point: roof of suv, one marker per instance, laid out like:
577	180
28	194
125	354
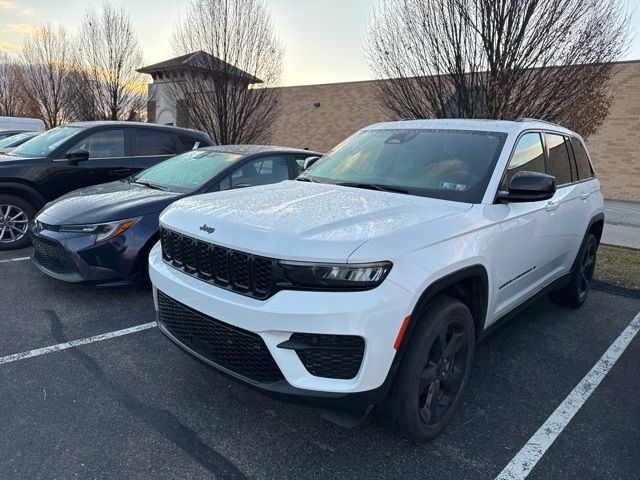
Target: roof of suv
97	123
506	126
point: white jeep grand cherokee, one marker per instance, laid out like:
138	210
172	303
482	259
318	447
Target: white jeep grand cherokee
369	280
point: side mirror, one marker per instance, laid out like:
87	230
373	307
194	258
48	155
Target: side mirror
77	156
529	187
309	161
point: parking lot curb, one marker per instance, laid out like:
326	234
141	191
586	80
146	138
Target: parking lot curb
616	289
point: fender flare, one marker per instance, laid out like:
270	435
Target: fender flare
33	195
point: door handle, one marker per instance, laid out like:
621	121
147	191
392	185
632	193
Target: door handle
551	206
584	195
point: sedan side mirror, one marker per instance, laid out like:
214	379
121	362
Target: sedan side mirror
77	156
529	187
309	161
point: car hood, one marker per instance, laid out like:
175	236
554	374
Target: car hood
302	221
105	203
15	159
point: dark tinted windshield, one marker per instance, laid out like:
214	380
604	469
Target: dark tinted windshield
44	144
188	171
448	164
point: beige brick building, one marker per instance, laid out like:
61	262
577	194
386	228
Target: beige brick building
320	116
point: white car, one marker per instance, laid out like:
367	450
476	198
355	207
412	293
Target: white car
369	279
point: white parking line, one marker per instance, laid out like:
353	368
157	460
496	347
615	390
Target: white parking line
527	458
75	343
19	259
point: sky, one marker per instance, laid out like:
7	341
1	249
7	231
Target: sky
323	38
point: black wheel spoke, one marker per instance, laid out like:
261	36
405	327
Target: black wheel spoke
429	375
457	341
451	382
433	401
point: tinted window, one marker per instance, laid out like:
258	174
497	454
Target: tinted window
559	163
190	143
582	160
448	164
103	144
528	156
188	171
155	143
261	171
46	143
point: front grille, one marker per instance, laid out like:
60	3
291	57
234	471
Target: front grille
330	356
240	272
237	350
51	256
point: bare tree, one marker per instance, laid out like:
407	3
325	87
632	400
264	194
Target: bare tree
226	87
45	70
107	55
504	59
12	94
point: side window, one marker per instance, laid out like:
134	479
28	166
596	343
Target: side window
189	143
582	160
103	144
154	143
261	171
528	156
559	162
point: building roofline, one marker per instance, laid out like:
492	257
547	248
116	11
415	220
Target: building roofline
349	82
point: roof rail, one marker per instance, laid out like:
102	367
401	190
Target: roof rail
525	119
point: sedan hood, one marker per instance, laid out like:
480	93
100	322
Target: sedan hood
302	221
105	203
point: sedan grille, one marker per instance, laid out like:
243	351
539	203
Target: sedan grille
240	272
50	255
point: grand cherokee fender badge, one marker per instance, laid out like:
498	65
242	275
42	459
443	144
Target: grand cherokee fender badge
208	229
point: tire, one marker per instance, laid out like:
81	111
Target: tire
15	216
575	293
429	384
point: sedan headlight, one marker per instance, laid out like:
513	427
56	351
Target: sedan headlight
325	276
103	231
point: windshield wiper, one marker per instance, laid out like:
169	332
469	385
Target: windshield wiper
151	185
306	179
373	186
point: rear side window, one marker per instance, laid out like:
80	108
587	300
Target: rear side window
102	144
559	161
528	156
582	160
190	143
155	143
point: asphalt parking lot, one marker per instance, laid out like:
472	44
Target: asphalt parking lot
134	406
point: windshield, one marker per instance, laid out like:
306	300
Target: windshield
13	139
448	164
186	172
44	144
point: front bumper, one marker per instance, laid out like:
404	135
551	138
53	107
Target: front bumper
76	258
374	315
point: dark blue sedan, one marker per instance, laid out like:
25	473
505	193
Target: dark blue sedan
102	235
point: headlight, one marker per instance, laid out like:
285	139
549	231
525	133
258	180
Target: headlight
103	231
325	276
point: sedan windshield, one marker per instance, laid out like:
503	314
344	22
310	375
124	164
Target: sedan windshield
186	172
43	145
447	164
17	138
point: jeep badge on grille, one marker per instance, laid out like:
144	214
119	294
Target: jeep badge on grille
208	229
